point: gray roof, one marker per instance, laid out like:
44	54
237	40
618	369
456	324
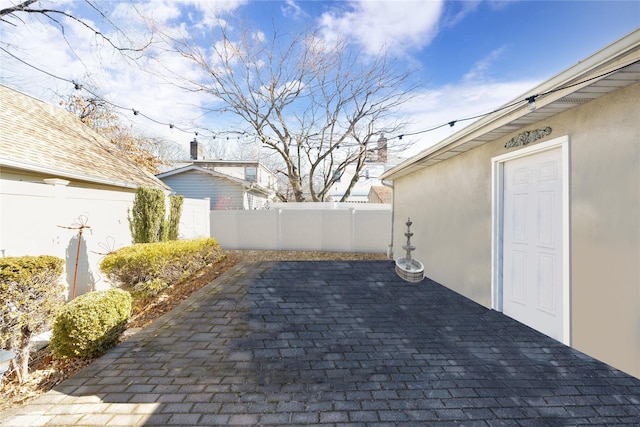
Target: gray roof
39	137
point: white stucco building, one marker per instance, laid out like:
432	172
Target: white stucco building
536	212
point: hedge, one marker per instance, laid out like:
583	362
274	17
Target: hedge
153	266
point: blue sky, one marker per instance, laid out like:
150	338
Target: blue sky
472	56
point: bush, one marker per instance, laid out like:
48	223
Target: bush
166	262
175	212
91	324
146	222
30	295
150	289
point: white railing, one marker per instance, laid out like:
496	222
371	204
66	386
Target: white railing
335	227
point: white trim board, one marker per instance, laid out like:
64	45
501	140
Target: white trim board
497	180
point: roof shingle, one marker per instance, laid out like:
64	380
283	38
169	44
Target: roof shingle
380	194
41	137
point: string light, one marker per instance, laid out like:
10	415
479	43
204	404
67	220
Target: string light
530	101
527	100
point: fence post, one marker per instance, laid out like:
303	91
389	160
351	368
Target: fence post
279	229
353	230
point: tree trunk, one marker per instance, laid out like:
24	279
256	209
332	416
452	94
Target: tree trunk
20	364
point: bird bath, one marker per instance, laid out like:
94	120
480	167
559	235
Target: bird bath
407	268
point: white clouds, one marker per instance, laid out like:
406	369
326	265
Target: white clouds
458	101
398	26
206	13
402	27
258	37
465	8
292	10
481	70
143	83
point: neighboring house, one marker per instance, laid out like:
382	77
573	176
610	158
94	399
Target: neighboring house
58	179
380	194
228	184
223	191
536	213
378	161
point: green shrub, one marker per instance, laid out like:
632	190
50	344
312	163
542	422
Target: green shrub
91	324
146	221
30	295
168	262
150	289
175	212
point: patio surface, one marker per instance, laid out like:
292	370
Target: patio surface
340	343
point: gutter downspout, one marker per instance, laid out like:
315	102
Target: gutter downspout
393	204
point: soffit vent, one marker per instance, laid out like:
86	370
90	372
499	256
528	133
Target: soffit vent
573	101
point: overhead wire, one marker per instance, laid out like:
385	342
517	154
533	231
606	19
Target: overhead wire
529	100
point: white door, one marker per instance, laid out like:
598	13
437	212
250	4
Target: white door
532	288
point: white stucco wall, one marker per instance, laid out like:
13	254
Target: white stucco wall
33	214
450	205
605	230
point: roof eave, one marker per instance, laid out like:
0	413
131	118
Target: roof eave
195	168
611	57
66	174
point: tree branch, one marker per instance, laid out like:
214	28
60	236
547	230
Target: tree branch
24	8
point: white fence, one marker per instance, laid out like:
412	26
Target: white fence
43	219
335	227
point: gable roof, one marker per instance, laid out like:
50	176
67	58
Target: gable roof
196	168
40	137
612	68
382	193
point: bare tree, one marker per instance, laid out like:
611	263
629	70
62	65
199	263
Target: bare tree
99	115
320	108
11	15
168	151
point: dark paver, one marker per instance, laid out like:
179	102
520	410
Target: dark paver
337	343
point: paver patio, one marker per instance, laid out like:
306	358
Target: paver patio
341	344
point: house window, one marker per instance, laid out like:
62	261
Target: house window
251	174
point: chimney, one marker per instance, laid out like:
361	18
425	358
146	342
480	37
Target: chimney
382	149
196	150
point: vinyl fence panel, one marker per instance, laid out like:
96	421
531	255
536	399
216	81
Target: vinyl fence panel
305	226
